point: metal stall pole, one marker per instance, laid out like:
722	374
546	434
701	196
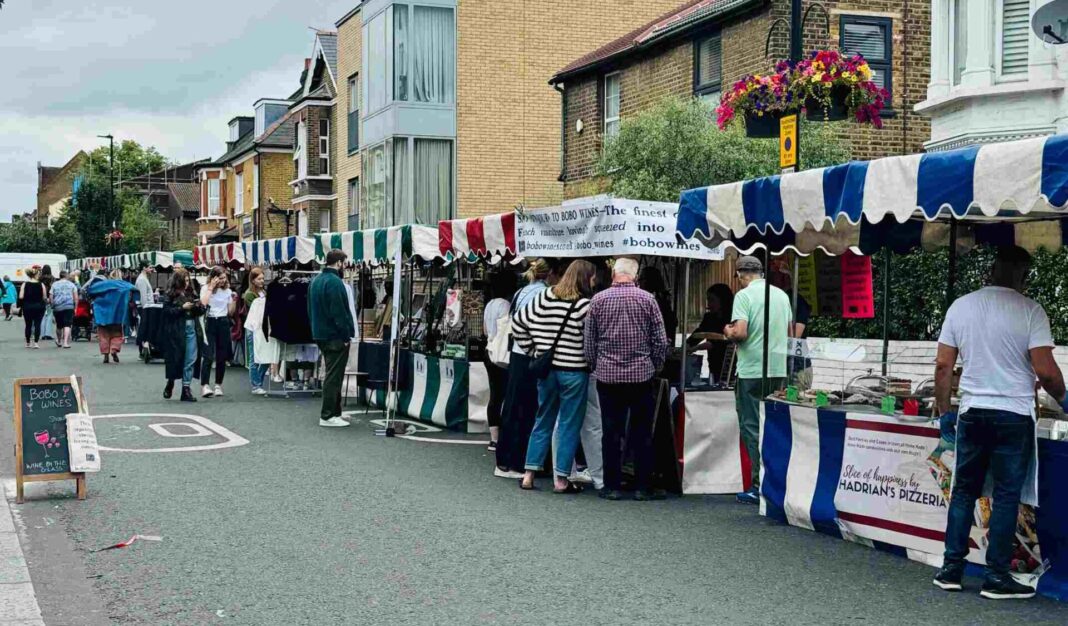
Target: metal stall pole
886	307
685	322
767	320
793	322
951	288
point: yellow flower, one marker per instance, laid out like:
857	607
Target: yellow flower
817	77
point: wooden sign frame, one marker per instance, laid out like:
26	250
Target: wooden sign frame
20	479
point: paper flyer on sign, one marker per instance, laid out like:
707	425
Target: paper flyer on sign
606	227
858	296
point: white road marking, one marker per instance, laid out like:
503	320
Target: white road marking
195	430
233	440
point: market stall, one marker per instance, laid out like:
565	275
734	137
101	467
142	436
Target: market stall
819	462
230	254
280	251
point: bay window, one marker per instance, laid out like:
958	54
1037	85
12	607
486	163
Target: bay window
239	194
433	174
375	166
213	197
424	54
324	147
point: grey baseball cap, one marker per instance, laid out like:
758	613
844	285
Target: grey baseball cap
749	264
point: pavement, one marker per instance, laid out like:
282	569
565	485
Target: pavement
263	517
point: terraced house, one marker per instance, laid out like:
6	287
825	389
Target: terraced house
702	47
313	147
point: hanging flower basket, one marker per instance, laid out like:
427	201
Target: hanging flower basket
835	88
762	126
833	110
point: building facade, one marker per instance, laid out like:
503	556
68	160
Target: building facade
55	186
313	148
455	117
347	105
992	78
172	193
703	46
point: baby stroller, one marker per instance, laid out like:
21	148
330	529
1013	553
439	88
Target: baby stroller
82	328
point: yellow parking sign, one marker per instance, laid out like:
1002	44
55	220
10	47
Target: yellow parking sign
788	141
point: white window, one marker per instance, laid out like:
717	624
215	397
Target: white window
324	221
354	114
354	204
255	185
433	174
376	62
324	147
958	38
300	150
611	105
213	197
375	165
424	54
1015	37
239	194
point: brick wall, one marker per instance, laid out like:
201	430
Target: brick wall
224	204
667	69
276	169
59	186
349	58
508	116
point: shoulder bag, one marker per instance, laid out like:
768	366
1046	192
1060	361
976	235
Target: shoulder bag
543	363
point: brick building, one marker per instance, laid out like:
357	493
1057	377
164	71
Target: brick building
55	185
447	113
703	46
313	158
172	194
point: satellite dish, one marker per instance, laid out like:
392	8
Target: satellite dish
1050	22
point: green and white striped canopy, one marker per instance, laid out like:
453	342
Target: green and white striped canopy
379	245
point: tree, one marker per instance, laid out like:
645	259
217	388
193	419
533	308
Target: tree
140	225
25	236
676	146
131	160
92	216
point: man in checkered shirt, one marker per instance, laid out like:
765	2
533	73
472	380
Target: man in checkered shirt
626	345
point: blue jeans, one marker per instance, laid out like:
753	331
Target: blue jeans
190	353
1002	442
256	371
561	395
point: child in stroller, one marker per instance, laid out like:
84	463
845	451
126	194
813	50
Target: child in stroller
82	327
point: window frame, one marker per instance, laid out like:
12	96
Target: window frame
703	89
324	146
618	75
880	65
239	193
255	184
218	201
999	47
353	114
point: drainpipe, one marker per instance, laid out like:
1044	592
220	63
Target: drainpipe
563	132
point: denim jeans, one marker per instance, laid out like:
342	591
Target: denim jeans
1003	443
561	396
190	353
256	371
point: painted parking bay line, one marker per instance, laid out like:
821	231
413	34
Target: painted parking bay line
232	439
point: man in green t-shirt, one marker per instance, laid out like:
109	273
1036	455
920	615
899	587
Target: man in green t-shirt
747	330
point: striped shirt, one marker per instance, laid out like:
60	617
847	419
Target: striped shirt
534	328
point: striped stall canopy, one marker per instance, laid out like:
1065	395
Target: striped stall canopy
219	254
379	245
1012	192
281	250
487	237
81	264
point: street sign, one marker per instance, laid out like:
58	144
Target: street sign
788	142
41	452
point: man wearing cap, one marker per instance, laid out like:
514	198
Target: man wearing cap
1005	346
747	330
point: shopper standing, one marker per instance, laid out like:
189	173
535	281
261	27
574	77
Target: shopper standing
48	322
498	306
111	303
64	298
332	329
220	302
553	322
145	297
747	330
1005	344
9	297
521	395
256	371
33	297
626	345
179	335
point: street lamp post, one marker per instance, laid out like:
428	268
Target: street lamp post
111	177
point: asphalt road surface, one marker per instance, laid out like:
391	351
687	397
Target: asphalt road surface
266	518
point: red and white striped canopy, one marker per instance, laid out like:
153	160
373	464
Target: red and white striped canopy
487	236
219	254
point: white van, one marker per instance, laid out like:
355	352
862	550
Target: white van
14	264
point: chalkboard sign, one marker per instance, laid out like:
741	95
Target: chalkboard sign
41	408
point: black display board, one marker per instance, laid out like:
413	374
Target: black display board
41	408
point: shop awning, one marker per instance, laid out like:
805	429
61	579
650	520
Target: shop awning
281	250
1012	192
183	257
219	254
83	263
379	245
487	237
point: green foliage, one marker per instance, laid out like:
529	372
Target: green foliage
131	160
141	226
93	216
676	146
23	236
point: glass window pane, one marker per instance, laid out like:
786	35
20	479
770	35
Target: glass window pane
960	40
376	63
709	58
433	173
611	96
866	39
402	205
433	55
354	94
400	52
375	175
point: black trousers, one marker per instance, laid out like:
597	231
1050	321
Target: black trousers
498	385
33	316
618	402
517	415
336	358
7	311
218	349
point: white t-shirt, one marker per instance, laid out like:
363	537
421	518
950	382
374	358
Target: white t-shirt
218	303
495	310
994	329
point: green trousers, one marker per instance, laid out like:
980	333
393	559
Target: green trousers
747	399
336	357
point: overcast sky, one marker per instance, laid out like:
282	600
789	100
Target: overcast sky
167	74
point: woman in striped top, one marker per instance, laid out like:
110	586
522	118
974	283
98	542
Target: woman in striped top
562	394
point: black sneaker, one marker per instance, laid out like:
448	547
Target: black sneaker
612	494
655	494
948	578
187	395
492	447
1005	587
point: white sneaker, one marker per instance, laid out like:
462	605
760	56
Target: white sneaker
206	392
499	473
277	379
582	477
333	422
259	391
218	391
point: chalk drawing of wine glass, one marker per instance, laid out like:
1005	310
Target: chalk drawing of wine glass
41	437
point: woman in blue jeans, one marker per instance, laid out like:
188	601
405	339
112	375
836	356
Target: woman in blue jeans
179	335
554	322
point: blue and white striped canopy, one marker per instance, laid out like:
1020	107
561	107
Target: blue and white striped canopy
998	191
279	251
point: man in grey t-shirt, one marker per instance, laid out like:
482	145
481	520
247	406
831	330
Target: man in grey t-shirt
64	298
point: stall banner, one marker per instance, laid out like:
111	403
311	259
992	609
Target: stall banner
606	227
478	393
712	444
435	390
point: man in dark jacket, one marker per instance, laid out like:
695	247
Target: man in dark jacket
332	329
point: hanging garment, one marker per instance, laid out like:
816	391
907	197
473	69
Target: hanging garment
286	315
264	349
